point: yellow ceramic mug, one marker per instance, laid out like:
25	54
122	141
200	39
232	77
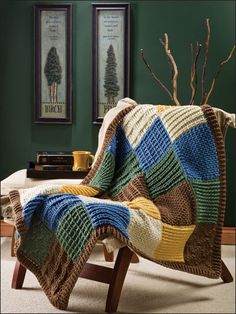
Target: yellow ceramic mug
82	160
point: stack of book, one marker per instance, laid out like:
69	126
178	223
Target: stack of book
54	161
53	165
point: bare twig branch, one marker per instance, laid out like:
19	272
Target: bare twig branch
192	74
218	72
154	75
175	70
194	78
207	42
172	70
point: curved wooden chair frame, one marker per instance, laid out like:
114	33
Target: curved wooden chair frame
114	277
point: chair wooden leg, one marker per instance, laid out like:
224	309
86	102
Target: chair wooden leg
13	241
119	272
134	258
18	276
225	273
108	256
114	277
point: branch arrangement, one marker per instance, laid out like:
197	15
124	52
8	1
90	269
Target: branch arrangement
193	74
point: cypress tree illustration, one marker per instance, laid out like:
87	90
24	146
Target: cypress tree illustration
110	78
53	73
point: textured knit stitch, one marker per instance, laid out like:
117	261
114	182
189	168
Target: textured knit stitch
146	205
79	189
136	123
178	121
157	185
173	242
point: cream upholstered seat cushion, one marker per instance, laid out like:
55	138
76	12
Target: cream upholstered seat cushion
18	180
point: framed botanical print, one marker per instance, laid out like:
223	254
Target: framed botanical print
53	63
111	49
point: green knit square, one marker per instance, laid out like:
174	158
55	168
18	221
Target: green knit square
129	170
166	174
37	241
105	172
74	231
207	194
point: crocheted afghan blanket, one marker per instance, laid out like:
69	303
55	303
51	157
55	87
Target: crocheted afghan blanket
157	185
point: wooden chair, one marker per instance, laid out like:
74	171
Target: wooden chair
114	277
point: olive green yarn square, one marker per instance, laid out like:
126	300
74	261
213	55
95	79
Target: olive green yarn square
37	242
127	172
74	231
207	196
105	172
166	174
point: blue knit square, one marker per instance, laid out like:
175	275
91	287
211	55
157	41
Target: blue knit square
55	207
112	146
123	147
104	213
153	145
197	153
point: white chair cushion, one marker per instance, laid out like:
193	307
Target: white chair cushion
18	180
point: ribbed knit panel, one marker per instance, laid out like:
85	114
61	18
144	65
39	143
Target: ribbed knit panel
174	205
171	247
145	231
180	120
191	152
45	189
116	215
162	108
52	208
207	200
74	230
164	175
37	242
79	190
104	175
153	145
146	205
136	123
135	188
123	147
129	170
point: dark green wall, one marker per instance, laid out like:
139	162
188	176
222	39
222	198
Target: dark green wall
184	23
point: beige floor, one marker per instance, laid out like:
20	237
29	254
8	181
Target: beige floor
148	288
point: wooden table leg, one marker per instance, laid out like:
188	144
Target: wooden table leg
18	276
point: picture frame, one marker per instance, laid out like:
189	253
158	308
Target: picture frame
111	56
53	63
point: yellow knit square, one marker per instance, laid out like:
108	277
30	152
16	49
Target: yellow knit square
79	190
174	238
146	205
161	108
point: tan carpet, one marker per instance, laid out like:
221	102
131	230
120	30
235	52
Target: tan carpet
148	288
